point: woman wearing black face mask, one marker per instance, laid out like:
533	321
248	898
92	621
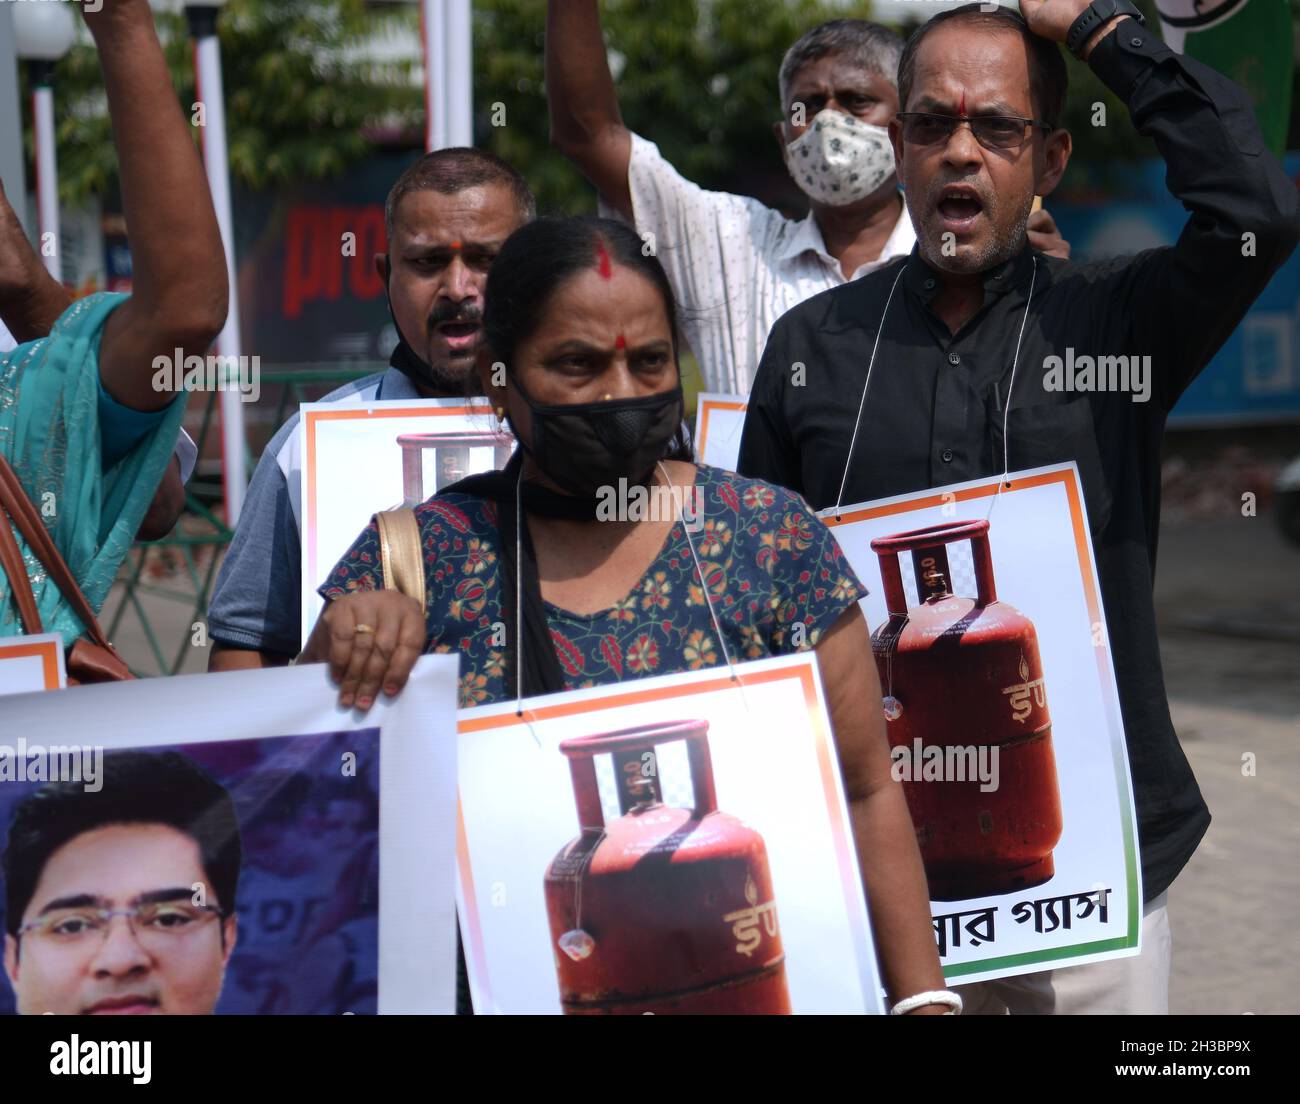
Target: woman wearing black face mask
581	360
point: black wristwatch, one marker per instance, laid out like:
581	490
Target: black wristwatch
1096	14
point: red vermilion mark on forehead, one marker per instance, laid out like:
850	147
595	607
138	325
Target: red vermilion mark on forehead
456	246
620	342
961	107
602	256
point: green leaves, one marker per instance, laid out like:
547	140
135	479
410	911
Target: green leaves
306	99
302	99
698	77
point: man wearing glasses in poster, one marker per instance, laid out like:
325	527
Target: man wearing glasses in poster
121	902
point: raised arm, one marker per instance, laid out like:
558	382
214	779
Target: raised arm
1185	300
586	125
179	268
31	300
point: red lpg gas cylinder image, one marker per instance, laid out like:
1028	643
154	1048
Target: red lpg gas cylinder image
452	459
662	910
963	675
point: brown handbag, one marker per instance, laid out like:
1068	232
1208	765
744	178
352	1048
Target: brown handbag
91	658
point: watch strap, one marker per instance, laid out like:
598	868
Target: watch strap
1093	17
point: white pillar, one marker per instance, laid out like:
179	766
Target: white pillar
47	180
460	70
207	69
433	33
11	123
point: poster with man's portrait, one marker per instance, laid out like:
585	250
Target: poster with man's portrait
1003	718
228	843
678	844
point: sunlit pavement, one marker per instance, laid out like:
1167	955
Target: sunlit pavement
1232	908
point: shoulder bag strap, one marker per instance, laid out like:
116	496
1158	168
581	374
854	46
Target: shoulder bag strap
401	553
11	563
16	504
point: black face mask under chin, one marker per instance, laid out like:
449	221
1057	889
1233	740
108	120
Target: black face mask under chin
586	446
413	366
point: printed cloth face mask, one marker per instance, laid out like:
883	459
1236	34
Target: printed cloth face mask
839	160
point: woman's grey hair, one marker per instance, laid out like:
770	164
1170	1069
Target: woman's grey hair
870	45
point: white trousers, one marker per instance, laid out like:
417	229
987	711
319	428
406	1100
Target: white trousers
1137	986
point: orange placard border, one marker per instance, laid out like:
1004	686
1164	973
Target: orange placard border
47	650
707	406
1064	476
1068	478
357	412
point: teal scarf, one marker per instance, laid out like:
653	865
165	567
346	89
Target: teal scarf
50	433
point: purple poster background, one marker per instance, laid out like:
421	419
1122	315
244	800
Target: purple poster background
308	897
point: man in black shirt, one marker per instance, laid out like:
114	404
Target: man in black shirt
975	328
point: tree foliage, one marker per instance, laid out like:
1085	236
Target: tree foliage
699	77
301	102
696	76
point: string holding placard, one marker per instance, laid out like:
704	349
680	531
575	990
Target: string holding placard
848	460
1011	390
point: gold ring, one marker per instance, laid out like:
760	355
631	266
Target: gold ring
364	629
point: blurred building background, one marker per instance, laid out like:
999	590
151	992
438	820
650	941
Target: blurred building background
325	108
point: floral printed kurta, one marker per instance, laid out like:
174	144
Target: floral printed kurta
774	572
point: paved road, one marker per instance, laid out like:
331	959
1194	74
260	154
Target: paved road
1233	908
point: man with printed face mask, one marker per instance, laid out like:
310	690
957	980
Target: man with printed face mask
735	264
447	216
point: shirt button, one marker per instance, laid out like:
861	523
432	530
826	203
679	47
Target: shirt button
947	456
928	285
1135	42
953	358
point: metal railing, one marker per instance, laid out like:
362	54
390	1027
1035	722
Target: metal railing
160	599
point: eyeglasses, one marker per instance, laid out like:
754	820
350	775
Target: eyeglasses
921	128
159	924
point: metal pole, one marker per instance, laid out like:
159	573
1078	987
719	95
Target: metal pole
433	34
47	168
11	123
208	88
460	73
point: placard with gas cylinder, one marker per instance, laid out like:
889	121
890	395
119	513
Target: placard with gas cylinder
1003	718
361	458
665	845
